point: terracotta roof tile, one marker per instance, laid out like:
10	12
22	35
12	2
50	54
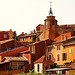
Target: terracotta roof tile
40	60
14	59
1	42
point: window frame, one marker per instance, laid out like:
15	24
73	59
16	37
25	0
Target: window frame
64	57
58	47
59	57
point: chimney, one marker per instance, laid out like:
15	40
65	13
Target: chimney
34	31
25	33
10	29
22	32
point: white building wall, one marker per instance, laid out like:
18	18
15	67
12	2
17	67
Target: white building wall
40	68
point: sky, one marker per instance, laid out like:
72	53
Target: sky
25	15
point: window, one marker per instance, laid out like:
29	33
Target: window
38	67
23	39
50	57
32	49
5	36
64	56
58	47
49	49
70	50
58	57
52	22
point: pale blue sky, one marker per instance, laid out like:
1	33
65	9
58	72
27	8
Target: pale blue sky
25	15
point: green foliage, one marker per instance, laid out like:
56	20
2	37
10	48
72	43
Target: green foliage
14	35
53	65
45	67
34	38
10	68
30	73
37	35
17	39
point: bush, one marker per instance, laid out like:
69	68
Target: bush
53	65
45	67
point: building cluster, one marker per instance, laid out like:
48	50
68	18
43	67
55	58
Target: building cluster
49	44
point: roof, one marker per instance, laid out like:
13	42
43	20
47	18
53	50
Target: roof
22	48
68	25
71	43
3	32
2	42
49	46
58	69
37	42
24	51
14	59
73	37
40	25
40	60
28	35
3	63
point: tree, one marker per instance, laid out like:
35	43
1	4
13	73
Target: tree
34	38
53	65
45	67
14	35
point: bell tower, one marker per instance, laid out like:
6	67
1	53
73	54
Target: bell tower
51	25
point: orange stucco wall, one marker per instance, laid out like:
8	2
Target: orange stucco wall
70	56
27	39
2	36
58	52
59	37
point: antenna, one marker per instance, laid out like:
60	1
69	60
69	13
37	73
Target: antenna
50	4
50	12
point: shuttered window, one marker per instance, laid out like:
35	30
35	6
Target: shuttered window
64	56
58	57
